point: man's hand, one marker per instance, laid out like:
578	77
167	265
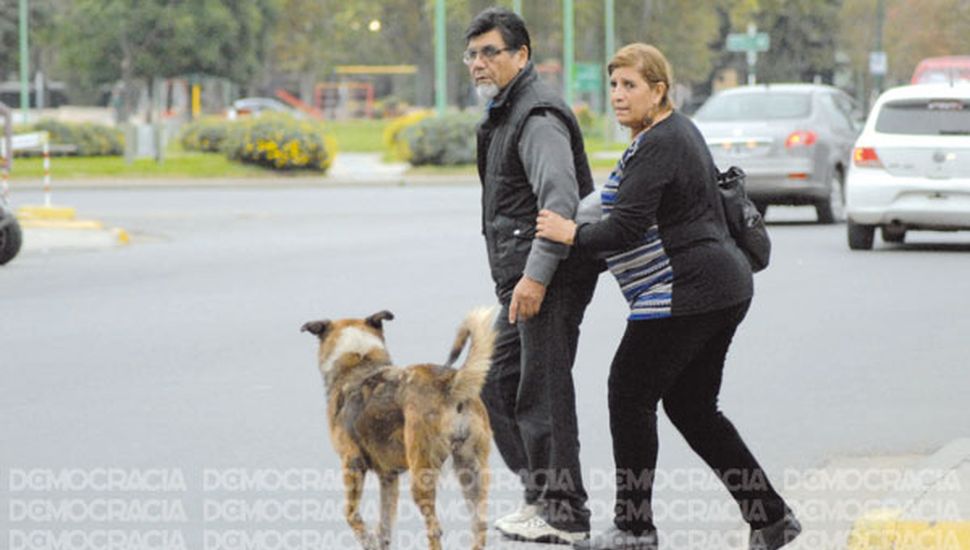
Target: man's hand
526	299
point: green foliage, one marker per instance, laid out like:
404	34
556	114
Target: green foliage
394	139
91	139
802	41
280	142
103	41
443	141
205	135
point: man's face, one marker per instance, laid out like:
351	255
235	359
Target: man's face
491	74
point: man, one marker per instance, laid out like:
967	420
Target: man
531	156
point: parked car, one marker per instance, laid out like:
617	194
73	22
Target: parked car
257	105
11	236
942	70
911	165
794	141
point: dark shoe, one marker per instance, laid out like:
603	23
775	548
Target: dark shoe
775	535
616	539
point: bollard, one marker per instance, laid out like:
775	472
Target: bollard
47	173
4	177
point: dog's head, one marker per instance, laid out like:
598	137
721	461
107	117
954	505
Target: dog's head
347	342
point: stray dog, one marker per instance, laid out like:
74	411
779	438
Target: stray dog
389	419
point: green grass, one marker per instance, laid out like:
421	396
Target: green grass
181	165
351	136
357	136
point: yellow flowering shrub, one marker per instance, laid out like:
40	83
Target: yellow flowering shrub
280	142
206	134
393	137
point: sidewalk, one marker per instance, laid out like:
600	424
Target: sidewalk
929	510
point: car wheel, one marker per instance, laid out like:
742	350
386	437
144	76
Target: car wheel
10	240
860	236
893	234
832	208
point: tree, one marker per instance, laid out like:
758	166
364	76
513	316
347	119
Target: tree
40	22
107	40
802	41
913	30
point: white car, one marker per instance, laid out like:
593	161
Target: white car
911	165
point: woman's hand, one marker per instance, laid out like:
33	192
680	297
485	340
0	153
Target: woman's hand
554	227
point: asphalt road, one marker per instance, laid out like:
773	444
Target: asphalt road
181	352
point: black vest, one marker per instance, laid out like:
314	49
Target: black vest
509	205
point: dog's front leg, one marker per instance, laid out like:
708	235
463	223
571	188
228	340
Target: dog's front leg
389	495
354	487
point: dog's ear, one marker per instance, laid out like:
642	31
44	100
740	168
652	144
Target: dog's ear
376	319
318	328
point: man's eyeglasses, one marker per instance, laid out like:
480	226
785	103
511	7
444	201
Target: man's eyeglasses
488	52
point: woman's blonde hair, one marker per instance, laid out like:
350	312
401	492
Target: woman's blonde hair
650	63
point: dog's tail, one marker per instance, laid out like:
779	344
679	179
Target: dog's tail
470	378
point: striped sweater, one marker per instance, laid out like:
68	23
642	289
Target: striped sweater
643	272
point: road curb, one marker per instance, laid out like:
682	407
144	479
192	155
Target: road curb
898	528
59	227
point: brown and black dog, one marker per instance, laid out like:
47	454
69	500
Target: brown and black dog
389	420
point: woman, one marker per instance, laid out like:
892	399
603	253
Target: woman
688	286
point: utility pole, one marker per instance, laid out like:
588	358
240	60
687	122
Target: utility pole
440	59
609	48
568	50
24	62
880	19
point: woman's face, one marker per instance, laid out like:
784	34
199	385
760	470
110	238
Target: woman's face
633	98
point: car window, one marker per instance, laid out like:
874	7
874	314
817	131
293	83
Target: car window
925	117
944	75
767	105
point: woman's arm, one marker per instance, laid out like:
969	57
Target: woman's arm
634	212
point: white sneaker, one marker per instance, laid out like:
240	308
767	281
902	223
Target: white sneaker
535	529
524	513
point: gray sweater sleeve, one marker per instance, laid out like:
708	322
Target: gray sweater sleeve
546	154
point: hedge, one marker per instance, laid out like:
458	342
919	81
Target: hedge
90	139
206	135
443	141
280	142
393	136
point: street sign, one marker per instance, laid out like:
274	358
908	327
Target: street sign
748	42
588	77
25	141
878	63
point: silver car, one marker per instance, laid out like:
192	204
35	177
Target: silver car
794	141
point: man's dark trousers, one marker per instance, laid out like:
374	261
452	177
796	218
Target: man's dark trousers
530	398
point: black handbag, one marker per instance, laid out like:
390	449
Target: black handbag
745	223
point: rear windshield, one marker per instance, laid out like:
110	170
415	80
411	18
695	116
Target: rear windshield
925	117
945	75
756	106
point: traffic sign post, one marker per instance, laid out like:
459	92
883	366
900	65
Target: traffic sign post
751	43
588	77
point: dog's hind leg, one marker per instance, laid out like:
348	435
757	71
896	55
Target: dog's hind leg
424	481
354	489
389	495
471	467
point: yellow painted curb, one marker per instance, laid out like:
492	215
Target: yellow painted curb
884	530
46	213
60	224
121	235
